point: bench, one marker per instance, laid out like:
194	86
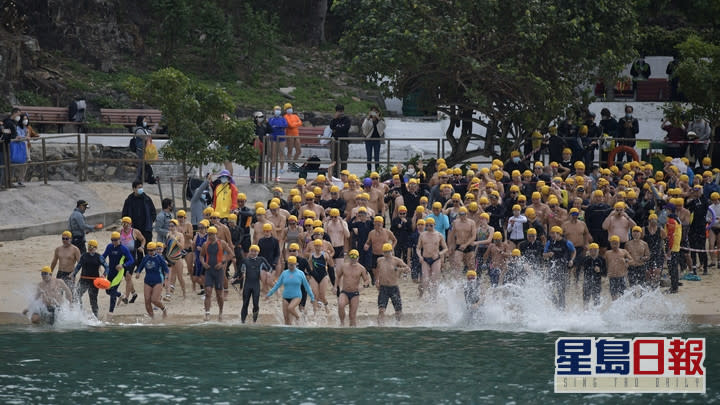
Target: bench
41	116
653	90
313	132
128	117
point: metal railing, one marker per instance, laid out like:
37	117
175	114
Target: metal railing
270	158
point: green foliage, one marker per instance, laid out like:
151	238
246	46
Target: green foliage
173	29
197	119
259	35
26	97
699	77
519	63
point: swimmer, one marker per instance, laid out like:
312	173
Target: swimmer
66	256
319	261
389	268
90	263
52	292
375	241
291	279
431	247
155	275
348	280
251	270
214	257
119	257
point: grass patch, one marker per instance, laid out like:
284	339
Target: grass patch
26	97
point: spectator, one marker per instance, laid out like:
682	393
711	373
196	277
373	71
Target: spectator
673	79
640	71
701	130
277	139
293	141
142	137
262	129
9	132
340	127
373	129
609	127
628	128
18	149
675	139
141	209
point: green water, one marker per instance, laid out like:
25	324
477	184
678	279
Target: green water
233	364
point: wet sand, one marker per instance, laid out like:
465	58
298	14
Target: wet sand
22	260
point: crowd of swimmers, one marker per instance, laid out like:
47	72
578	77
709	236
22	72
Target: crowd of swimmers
330	238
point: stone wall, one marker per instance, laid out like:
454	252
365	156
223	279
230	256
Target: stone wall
107	168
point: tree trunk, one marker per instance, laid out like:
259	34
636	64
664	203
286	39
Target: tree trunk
318	23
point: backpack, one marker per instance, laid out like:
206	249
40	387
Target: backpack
76	111
133	145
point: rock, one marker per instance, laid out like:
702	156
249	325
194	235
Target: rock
110	171
357	99
285	91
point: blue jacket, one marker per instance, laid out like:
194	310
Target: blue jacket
278	125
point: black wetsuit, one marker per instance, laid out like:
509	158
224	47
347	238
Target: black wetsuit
270	250
402	233
90	265
592	280
251	269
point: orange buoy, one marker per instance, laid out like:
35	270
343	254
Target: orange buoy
99	226
102	283
622	148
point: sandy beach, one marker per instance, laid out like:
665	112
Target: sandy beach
23	259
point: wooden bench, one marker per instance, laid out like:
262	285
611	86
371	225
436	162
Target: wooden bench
128	117
41	116
313	132
653	90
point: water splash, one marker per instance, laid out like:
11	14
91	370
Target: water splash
528	306
67	315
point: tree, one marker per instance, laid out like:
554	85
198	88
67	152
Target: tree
509	66
198	120
698	74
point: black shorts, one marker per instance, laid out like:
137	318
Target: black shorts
214	278
617	285
339	252
392	293
374	260
716	231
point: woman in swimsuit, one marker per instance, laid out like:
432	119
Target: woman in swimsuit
291	279
186	228
134	241
483	240
319	262
198	271
176	268
291	233
155	276
305	238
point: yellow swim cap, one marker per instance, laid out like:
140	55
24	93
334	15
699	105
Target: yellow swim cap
212	229
292	259
387	247
255	248
46	269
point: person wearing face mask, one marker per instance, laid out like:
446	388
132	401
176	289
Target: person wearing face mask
142	133
9	132
515	163
262	129
608	129
373	129
702	130
279	124
340	127
141	209
18	149
224	194
628	127
293	123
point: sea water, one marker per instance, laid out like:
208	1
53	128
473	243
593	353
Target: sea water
502	353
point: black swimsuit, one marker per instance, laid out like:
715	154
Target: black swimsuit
350	294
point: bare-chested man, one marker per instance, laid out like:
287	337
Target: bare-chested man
496	257
52	293
348	279
349	195
277	217
258	226
577	233
464	233
376	239
339	234
617	264
541	209
376	198
430	248
310	205
618	223
389	268
66	256
557	215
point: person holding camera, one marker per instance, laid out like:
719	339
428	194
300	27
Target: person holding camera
373	128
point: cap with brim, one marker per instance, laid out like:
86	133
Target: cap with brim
80	203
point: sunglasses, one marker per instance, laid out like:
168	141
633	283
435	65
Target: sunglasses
114	240
65	238
403	213
353	256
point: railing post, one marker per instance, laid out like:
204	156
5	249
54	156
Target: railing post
44	160
388	153
79	152
437	145
87	158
